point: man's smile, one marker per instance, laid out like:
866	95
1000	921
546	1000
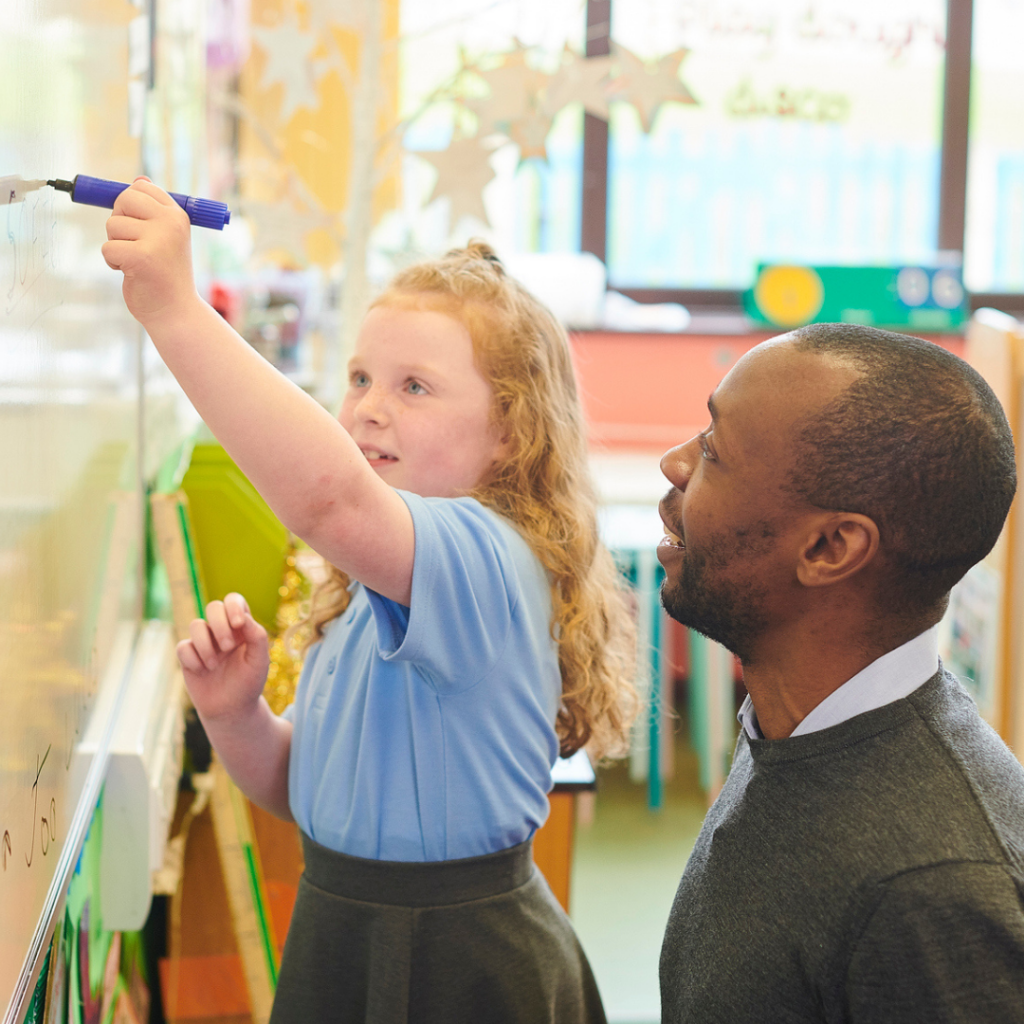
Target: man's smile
673	538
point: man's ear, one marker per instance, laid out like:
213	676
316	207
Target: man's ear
838	548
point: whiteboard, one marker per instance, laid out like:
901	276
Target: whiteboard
70	499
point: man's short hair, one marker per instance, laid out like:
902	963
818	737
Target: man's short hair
921	445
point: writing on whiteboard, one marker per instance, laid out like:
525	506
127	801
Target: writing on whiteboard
38	833
29	233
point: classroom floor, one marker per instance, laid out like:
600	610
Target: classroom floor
626	867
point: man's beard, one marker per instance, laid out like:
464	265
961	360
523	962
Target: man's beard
723	610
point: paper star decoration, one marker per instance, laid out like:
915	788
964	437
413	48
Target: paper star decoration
337	13
579	80
522	101
648	85
279	227
515	89
530	134
463	169
288	51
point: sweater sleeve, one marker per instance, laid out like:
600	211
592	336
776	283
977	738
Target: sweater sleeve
943	944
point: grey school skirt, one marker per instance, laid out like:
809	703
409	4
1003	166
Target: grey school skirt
474	941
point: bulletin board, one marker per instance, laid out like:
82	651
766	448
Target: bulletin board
980	639
71	510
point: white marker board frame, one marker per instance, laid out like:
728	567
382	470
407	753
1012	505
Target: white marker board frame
71	500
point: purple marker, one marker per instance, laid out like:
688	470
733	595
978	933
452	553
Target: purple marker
203	213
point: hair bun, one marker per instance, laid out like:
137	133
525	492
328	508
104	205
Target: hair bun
477	249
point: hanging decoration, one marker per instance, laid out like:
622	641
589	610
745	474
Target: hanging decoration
282	229
582	80
463	170
514	90
521	101
646	85
289	51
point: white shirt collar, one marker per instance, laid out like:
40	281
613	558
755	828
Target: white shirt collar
889	678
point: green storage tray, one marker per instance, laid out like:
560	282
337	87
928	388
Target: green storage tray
241	545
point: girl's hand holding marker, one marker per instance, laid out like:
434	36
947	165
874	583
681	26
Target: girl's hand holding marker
150	241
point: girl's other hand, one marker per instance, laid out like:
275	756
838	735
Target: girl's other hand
226	660
150	242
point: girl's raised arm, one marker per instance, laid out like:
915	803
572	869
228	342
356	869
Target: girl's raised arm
295	453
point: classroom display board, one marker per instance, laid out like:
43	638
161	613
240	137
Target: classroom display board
71	508
980	636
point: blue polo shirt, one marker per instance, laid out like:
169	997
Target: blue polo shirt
426	733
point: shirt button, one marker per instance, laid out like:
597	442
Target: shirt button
331	664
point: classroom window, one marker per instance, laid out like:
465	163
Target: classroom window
816	138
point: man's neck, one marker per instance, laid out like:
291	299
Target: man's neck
787	681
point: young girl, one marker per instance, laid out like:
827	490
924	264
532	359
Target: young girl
472	628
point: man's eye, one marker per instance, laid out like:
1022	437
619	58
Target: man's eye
705	448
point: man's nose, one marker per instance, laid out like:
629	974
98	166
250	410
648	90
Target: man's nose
677	463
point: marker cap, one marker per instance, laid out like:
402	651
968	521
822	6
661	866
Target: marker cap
203	213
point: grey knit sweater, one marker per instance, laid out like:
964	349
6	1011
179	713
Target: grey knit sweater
873	871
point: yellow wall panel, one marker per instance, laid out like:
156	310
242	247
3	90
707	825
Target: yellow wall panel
305	159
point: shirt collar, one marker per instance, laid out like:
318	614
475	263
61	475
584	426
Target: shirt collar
889	678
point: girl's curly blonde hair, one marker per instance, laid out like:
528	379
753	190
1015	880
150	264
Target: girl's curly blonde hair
543	487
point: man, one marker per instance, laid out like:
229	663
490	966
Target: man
865	858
